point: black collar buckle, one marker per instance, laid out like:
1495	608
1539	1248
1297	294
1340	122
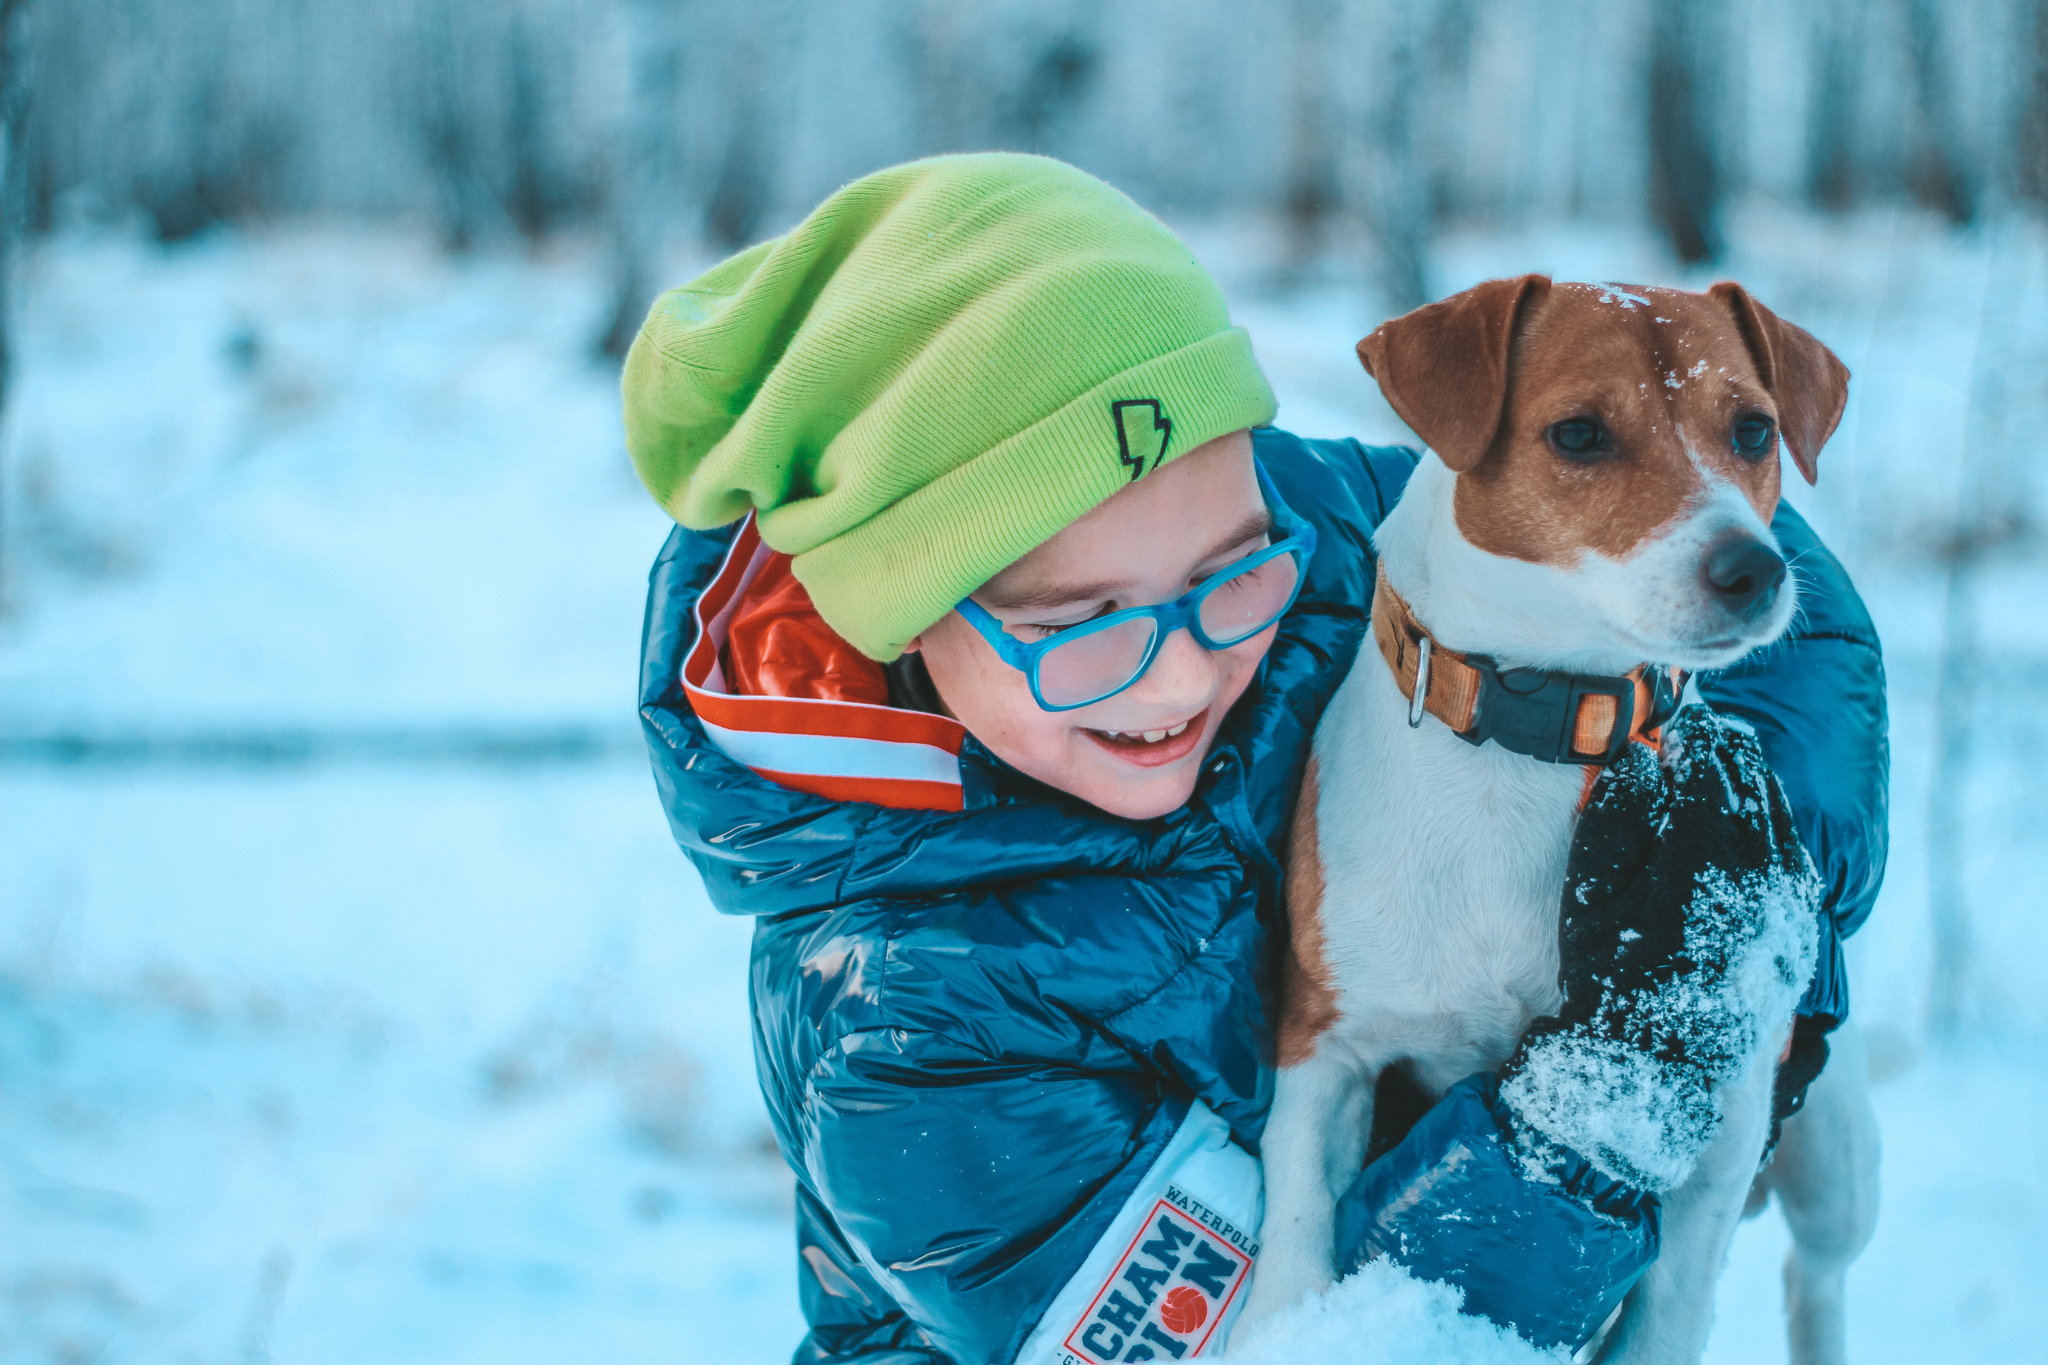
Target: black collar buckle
1533	711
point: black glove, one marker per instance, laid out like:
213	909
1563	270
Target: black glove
1687	933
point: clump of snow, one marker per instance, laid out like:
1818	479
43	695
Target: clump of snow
1382	1315
1614	293
1758	932
1638	1117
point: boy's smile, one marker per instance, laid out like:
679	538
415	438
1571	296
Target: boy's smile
1153	748
1137	753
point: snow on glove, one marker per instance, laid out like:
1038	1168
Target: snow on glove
1688	930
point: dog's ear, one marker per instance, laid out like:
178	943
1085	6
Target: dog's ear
1444	367
1810	384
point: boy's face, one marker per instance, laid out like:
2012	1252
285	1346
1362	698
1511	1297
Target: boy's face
1135	754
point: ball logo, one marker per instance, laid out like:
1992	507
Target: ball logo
1184	1310
1168	1294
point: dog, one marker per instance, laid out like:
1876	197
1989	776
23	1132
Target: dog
1595	503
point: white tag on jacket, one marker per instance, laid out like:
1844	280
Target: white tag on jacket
1169	1277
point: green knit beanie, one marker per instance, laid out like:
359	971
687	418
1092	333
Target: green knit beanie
941	367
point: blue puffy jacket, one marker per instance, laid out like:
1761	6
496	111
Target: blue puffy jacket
1018	1053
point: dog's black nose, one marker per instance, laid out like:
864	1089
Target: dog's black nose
1745	574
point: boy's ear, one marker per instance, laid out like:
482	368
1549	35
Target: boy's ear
1444	367
916	643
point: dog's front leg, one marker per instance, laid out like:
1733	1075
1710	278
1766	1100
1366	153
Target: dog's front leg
1671	1309
1312	1149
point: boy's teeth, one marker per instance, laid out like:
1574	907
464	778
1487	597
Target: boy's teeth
1145	736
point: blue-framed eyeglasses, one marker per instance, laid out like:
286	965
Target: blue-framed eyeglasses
1097	659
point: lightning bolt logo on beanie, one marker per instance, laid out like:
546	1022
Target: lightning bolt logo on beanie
1143	431
909	387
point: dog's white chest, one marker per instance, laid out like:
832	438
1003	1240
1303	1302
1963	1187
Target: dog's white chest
1442	863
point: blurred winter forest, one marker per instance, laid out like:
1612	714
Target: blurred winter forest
1367	124
354	1003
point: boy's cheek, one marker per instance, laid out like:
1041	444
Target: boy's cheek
994	702
990	698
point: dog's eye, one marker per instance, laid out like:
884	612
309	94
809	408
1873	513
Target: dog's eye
1578	438
1753	436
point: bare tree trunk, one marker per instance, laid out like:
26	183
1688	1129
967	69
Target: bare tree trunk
446	139
2031	146
937	74
1935	167
740	188
640	191
1052	88
739	194
14	59
1987	517
14	107
1399	211
529	197
1947	861
1312	193
1832	177
1685	171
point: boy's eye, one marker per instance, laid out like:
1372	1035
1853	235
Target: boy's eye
1237	582
1199	579
1043	630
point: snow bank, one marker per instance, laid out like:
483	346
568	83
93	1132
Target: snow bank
1383	1316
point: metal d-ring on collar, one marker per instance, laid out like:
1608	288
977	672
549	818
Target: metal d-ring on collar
1417	702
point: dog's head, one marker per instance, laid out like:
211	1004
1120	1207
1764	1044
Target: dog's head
1627	438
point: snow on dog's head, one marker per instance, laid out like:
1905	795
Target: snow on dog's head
1617	448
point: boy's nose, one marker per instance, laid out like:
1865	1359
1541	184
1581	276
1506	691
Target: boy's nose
1182	676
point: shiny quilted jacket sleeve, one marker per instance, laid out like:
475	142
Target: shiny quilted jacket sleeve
852	1317
969	1199
1816	701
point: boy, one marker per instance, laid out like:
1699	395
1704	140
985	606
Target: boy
992	714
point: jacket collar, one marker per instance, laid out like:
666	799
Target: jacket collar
838	749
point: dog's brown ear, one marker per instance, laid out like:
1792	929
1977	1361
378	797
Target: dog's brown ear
1444	367
1810	384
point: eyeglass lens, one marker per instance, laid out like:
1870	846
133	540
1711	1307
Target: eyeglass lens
1245	604
1096	664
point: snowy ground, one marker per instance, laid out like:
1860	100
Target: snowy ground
427	1046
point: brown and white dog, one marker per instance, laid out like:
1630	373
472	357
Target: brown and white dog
1597	496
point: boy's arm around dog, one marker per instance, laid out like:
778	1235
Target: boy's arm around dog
1816	700
978	1030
